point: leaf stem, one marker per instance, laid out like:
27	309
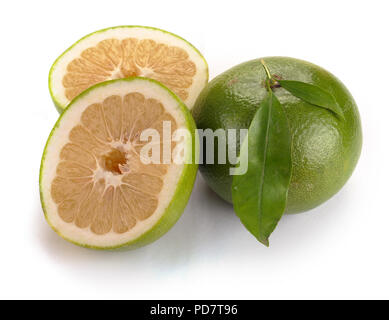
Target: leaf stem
266	70
269	79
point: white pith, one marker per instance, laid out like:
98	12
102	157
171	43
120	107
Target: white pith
59	138
59	69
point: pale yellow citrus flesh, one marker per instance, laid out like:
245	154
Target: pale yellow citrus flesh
101	182
115	59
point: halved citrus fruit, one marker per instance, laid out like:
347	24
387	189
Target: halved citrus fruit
96	189
125	51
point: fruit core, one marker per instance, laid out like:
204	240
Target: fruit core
101	182
114	161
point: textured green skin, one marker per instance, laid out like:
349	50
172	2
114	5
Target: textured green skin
325	149
181	194
60	107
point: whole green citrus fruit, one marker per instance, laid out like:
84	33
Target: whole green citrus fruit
325	148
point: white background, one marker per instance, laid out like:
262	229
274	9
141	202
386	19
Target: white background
339	250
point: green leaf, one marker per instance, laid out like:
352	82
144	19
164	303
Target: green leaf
312	94
259	196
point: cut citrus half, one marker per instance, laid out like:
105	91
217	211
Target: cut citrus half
126	51
97	189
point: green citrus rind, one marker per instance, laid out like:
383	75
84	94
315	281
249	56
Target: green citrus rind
60	107
182	192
